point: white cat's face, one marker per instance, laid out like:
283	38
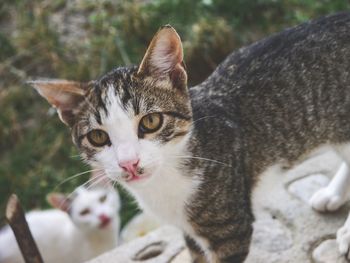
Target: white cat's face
95	208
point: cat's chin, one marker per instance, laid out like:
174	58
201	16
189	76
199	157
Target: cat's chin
104	225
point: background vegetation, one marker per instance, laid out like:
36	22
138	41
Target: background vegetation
83	39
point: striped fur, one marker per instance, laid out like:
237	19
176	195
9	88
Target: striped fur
268	103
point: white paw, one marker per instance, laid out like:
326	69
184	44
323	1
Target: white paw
343	240
326	200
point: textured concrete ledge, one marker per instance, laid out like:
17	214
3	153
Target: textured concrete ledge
159	246
286	229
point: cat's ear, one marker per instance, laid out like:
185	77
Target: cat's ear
64	95
164	57
59	201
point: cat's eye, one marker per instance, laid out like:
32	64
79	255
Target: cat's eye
98	138
103	198
85	212
151	122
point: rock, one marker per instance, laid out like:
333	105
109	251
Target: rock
139	226
159	246
327	252
271	235
286	227
183	257
305	187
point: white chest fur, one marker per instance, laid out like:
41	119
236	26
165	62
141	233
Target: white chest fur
165	195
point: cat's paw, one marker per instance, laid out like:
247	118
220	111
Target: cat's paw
326	200
343	240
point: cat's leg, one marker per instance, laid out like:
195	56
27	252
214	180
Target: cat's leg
219	256
229	245
196	252
334	195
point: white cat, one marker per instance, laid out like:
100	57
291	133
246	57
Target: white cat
82	227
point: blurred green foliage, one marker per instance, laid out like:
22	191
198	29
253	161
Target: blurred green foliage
83	39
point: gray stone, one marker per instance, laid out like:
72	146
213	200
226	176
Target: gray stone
327	252
271	235
159	246
283	196
305	187
183	257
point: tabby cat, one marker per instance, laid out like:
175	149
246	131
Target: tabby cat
193	156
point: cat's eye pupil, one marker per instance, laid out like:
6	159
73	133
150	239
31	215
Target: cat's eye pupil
98	138
85	212
103	198
151	122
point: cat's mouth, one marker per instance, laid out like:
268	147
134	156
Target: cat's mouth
135	177
105	221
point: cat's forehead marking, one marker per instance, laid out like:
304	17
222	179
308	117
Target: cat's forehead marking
115	88
119	121
121	81
114	103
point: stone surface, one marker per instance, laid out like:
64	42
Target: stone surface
305	187
286	228
159	246
327	252
272	241
183	257
283	195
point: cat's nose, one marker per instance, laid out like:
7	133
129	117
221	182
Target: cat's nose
130	166
127	156
104	220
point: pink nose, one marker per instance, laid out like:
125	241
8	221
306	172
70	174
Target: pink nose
104	220
130	166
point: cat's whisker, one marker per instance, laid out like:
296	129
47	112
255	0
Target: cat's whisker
69	207
75	176
78	157
61	204
91	180
111	170
202	118
151	161
75	156
100	178
69	196
108	182
114	183
201	158
97	181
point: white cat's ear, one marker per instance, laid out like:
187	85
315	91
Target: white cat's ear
64	95
164	57
59	201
